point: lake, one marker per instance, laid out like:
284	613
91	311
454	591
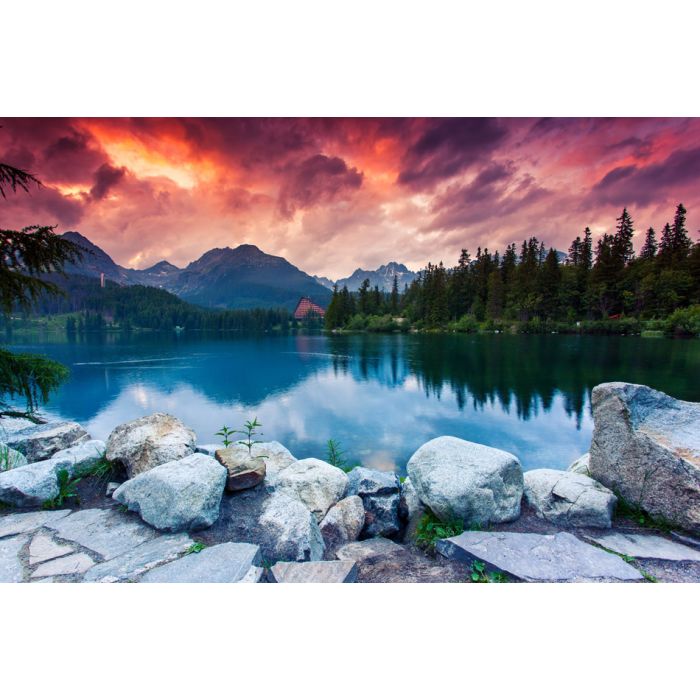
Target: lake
381	396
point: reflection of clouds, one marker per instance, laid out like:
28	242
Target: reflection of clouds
378	425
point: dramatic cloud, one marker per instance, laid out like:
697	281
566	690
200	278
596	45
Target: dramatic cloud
633	184
318	179
334	194
446	148
106	177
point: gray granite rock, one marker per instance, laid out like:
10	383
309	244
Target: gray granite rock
140	559
381	497
17	523
65	566
14	425
530	557
145	443
375	547
289	531
79	457
9	458
11	569
30	485
463	480
646	448
314	572
411	510
40	442
581	465
180	495
343	523
317	484
569	499
42	548
112	486
105	531
642	546
223	563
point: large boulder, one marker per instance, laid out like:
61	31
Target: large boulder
9	458
40	442
181	495
243	472
147	442
411	510
30	485
343	523
464	480
317	484
275	455
568	499
289	530
581	465
79	457
646	448
380	494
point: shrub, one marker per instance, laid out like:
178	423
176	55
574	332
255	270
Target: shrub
430	529
684	321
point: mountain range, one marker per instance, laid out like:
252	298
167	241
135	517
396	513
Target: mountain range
233	278
229	278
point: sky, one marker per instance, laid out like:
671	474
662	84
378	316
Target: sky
334	194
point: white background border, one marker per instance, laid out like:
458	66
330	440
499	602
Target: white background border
299	58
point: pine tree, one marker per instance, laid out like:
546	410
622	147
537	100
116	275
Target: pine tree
679	235
649	248
622	249
395	296
24	255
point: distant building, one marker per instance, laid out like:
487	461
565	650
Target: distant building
306	307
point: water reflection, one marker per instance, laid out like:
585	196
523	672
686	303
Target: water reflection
381	396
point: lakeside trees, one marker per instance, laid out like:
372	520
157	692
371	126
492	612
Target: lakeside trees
595	281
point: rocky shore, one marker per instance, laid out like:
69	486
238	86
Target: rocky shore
153	505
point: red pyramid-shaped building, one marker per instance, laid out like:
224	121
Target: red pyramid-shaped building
306	307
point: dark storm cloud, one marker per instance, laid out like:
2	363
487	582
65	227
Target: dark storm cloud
106	177
495	192
315	180
633	184
446	148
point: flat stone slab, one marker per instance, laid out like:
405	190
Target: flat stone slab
11	570
137	561
107	532
222	563
25	522
530	557
255	575
43	548
314	572
377	546
65	566
647	547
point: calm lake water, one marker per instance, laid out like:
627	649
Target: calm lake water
380	396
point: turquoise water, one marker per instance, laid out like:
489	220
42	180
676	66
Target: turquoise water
380	396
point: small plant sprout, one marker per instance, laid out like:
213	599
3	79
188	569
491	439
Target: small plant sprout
66	490
430	529
479	574
196	547
226	433
335	455
249	430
